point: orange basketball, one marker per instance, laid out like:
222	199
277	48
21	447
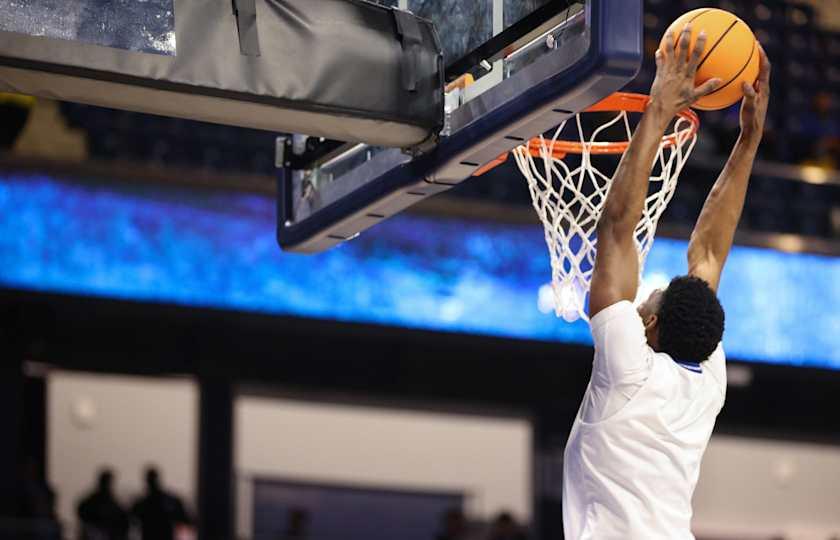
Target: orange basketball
731	54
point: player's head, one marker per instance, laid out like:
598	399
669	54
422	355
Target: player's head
684	320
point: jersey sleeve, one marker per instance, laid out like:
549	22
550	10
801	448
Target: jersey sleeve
622	355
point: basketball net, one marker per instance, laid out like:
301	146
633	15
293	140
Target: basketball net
569	200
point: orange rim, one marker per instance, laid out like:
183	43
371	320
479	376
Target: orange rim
617	102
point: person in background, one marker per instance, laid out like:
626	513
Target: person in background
36	506
454	525
297	527
100	515
822	126
158	512
505	528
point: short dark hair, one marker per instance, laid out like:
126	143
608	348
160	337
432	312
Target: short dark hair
691	319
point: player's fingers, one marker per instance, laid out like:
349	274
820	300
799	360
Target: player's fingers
685	40
669	43
749	91
697	52
764	69
658	55
706	88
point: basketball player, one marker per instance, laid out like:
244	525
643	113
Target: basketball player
659	376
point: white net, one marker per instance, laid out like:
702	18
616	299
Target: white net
569	199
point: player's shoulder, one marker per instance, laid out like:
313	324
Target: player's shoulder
622	312
621	349
708	377
716	366
618	330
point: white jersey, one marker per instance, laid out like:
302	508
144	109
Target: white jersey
633	456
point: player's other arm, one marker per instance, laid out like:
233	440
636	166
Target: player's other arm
616	273
715	228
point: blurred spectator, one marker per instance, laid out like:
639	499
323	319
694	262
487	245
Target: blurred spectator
35	518
100	515
825	153
454	525
158	512
821	122
823	128
298	525
505	528
38	499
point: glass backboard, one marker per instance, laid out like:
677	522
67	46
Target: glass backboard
514	69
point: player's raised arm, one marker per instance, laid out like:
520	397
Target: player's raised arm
616	272
715	228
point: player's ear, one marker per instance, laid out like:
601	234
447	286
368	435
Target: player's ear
650	321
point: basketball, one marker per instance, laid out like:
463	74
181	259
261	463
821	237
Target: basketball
731	54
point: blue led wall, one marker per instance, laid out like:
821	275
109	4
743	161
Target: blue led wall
217	249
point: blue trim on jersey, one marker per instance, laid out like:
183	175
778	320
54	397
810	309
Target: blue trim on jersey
691	366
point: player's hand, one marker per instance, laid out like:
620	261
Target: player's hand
673	88
756	96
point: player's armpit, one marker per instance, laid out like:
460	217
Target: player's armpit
706	267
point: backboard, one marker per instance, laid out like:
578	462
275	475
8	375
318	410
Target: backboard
530	65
